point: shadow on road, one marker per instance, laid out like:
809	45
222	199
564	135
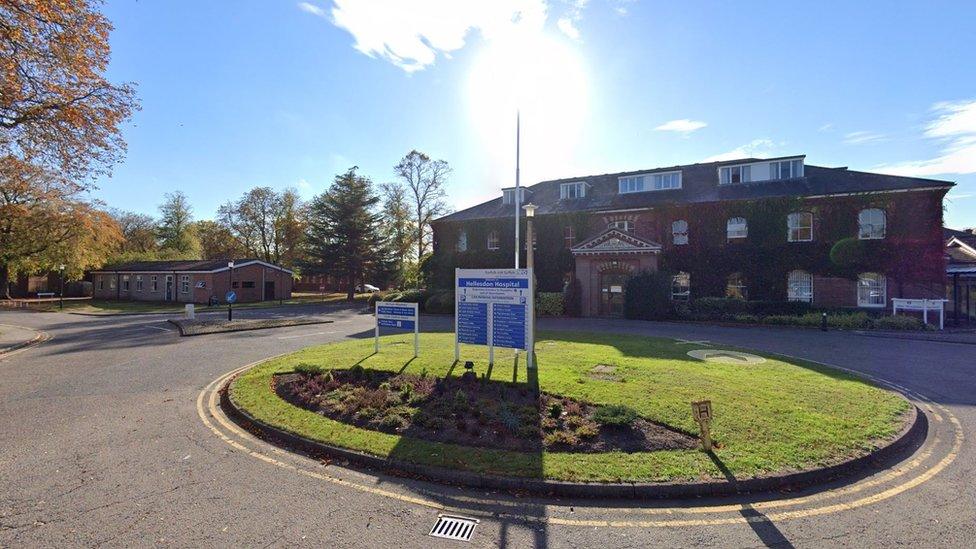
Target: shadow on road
768	533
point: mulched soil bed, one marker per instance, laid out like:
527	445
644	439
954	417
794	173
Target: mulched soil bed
468	411
217	326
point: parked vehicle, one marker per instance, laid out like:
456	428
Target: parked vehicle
363	288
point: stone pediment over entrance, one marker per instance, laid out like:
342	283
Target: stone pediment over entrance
615	241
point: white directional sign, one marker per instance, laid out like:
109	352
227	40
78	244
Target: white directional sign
403	316
494	307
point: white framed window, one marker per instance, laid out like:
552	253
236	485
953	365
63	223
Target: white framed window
735	287
664	181
111	283
681	286
153	284
737	228
569	236
184	284
799	286
799	227
572	190
508	196
871	290
493	243
624	225
138	283
125	283
462	241
871	224
730	175
679	232
786	169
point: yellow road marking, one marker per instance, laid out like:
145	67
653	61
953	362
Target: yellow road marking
214	386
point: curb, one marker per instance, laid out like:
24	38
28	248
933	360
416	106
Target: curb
908	440
176	323
906	337
41	337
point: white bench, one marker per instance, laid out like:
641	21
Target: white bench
45	294
924	305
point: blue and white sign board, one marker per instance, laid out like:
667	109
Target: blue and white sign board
231	296
402	316
494	307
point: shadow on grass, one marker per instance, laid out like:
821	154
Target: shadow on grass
768	533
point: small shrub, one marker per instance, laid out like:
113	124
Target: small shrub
440	302
308	369
357	371
549	304
560	438
648	296
555	410
509	419
549	423
460	400
614	415
587	430
899	323
392	422
573	422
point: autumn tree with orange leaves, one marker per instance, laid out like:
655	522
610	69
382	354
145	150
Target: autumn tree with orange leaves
60	127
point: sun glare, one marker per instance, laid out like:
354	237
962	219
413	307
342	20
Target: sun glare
542	77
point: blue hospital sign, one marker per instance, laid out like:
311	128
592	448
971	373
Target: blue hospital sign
493	307
401	316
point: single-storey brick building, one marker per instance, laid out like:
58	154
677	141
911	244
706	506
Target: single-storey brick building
193	281
762	229
961	270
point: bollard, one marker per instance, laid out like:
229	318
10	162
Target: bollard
823	321
189	314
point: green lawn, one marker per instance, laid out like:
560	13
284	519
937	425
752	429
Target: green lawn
106	306
772	417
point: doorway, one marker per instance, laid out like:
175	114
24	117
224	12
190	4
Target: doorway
613	286
269	290
169	287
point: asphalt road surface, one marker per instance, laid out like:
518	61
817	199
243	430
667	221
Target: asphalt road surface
109	437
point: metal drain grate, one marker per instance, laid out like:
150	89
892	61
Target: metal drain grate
453	527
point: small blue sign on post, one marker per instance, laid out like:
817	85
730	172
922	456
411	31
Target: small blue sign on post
231	296
402	316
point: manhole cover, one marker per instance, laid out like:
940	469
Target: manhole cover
605	372
454	527
725	357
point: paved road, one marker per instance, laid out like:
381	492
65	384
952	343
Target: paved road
107	437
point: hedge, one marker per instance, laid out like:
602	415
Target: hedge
549	304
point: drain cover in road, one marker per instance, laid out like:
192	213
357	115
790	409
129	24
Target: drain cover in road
454	527
725	357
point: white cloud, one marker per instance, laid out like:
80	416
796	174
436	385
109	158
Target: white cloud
412	33
566	25
859	138
829	126
756	148
311	8
954	127
682	125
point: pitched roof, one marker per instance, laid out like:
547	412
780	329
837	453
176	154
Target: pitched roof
699	184
196	265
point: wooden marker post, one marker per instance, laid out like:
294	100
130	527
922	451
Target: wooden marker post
702	411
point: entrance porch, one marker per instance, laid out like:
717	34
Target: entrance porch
603	265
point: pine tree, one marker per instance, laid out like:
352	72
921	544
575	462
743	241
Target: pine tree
344	233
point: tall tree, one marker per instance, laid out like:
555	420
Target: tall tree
267	223
217	242
399	229
176	232
344	233
44	222
56	107
425	179
138	235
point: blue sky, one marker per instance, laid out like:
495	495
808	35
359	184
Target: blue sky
287	94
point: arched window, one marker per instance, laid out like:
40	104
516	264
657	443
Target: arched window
799	227
737	228
871	224
679	232
681	287
799	286
624	225
493	240
871	290
462	241
736	287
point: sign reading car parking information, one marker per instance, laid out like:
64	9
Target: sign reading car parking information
493	307
403	316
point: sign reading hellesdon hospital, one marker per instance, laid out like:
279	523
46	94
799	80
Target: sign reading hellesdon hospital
493	307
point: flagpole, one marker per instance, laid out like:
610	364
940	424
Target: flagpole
518	194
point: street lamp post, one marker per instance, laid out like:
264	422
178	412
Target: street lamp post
61	293
529	264
230	287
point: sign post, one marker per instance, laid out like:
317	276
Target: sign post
494	307
702	411
402	316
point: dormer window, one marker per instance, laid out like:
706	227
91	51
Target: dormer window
572	190
508	195
735	174
786	169
649	182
